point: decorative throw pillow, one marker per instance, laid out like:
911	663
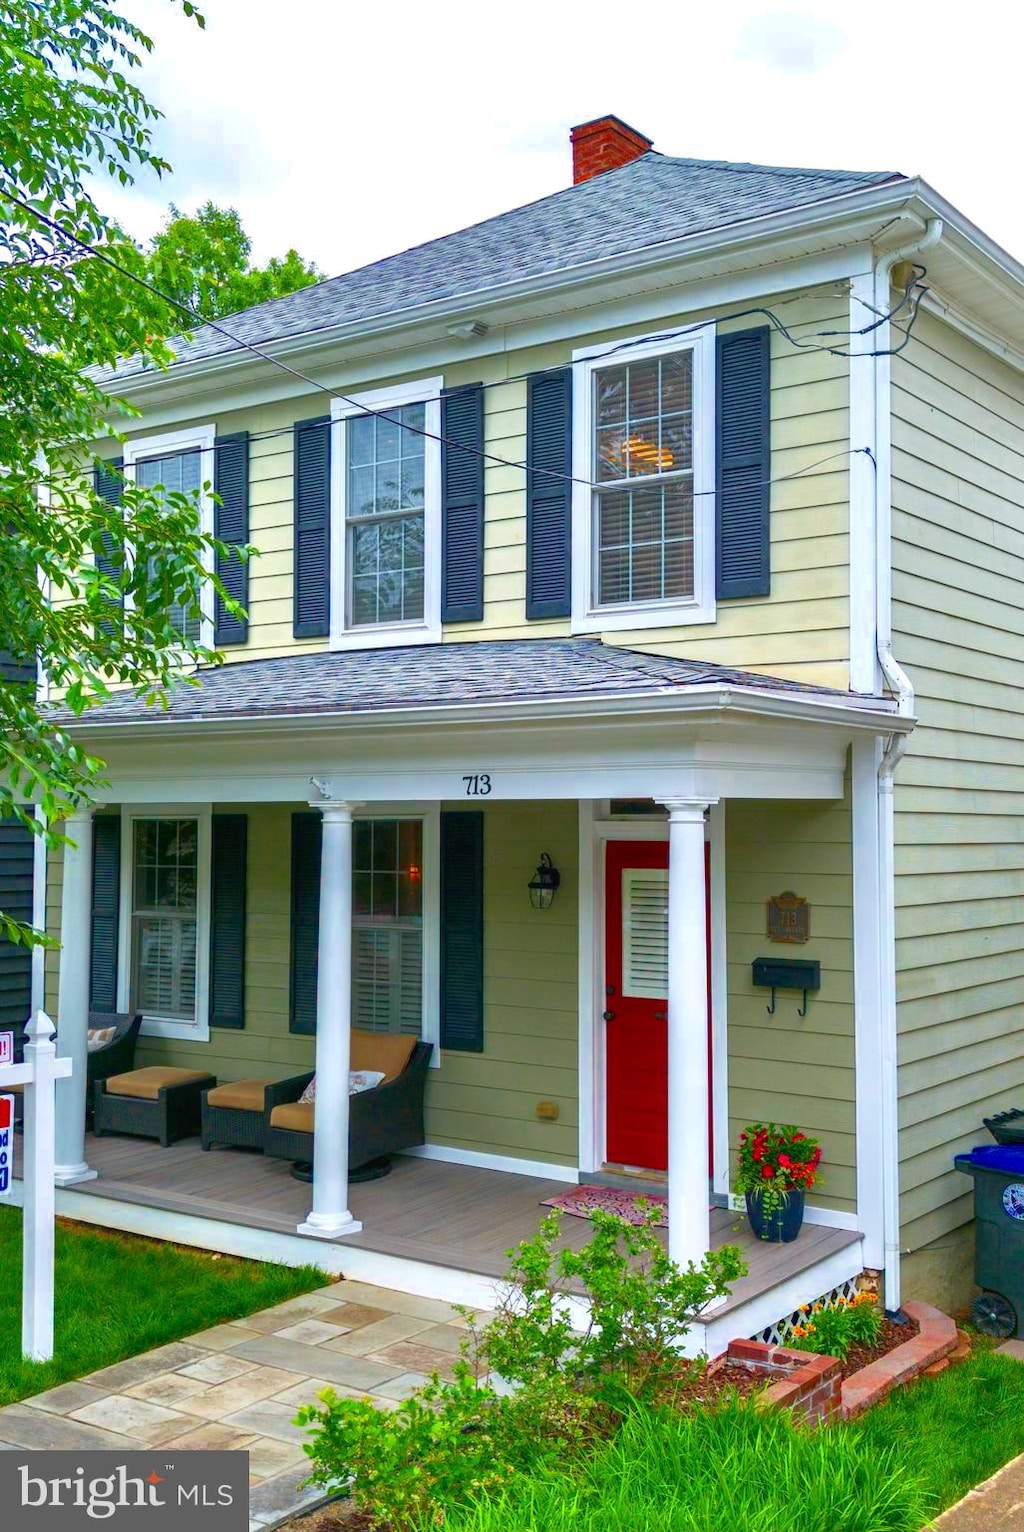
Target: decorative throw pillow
99	1037
358	1080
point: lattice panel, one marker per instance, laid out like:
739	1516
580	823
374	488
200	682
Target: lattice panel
779	1333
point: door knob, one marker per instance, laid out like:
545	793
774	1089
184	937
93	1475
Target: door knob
661	1016
609	1015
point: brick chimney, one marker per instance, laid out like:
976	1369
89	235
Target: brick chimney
604	144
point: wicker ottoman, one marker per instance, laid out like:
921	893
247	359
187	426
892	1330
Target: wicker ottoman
151	1103
233	1114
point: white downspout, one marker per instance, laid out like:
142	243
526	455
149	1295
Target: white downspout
897	678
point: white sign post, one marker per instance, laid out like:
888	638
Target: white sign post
38	1075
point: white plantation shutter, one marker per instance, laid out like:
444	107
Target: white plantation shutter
645	932
165	947
387	979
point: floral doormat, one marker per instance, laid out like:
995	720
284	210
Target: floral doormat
581	1201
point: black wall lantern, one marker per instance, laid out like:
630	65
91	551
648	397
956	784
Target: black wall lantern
544	883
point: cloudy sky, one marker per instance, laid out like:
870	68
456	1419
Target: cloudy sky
352	131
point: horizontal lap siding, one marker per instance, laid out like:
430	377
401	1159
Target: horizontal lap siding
485	1101
799	631
958	584
786	1067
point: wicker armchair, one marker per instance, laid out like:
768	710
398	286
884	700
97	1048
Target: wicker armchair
382	1121
114	1058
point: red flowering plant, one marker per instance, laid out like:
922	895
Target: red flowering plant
774	1160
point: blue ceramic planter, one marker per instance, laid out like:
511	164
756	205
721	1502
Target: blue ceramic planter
783	1224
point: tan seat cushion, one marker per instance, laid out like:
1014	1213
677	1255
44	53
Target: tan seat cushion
146	1084
242	1095
386	1051
295	1115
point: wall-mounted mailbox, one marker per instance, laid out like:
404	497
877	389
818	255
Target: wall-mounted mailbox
787	973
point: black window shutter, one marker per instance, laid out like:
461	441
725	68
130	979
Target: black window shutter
312	599
17	845
110	559
106	911
549	498
462	931
17	672
231	525
743	455
462	500
227	920
307	835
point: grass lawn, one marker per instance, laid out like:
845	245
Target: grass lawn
116	1295
744	1471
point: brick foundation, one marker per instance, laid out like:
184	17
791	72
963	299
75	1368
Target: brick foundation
811	1385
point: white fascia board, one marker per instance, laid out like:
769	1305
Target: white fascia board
870	715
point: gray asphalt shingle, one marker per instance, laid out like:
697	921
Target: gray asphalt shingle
431	676
654	199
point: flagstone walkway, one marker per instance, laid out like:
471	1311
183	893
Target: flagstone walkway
239	1386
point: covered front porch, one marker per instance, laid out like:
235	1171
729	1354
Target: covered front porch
431	1227
749	787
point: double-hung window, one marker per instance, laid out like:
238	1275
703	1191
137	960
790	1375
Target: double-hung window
643	502
387	925
181	463
165	912
386	517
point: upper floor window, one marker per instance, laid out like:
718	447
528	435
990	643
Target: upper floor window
181	463
386	517
643	515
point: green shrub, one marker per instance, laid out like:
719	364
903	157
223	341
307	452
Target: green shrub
641	1303
833	1329
452	1443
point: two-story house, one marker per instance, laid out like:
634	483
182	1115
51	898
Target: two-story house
667	533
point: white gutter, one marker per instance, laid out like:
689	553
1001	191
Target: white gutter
893	753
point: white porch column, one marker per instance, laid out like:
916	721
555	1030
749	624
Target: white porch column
330	1215
73	1005
689	1223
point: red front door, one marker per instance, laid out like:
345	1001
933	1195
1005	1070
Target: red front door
636	1005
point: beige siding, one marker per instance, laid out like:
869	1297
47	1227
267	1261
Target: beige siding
785	1067
958	560
800	630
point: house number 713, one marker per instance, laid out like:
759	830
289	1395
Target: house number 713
478	786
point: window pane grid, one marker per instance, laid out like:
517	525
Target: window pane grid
643	467
180	475
387	921
165	869
384	512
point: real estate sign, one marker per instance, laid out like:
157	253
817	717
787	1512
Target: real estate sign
6	1047
6	1144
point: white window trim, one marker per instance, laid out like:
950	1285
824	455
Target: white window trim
193	438
425	391
586	617
430	815
197	1031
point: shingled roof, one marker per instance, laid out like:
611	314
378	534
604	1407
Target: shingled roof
655	199
432	676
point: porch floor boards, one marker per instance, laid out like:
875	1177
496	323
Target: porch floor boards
425	1210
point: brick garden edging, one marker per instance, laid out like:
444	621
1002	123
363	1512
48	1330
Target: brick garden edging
811	1385
935	1340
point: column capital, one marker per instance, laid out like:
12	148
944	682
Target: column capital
686	810
82	814
338	810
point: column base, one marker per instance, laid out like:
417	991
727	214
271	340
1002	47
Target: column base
329	1225
70	1175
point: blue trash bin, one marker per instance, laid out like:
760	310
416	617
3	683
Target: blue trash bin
998	1174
